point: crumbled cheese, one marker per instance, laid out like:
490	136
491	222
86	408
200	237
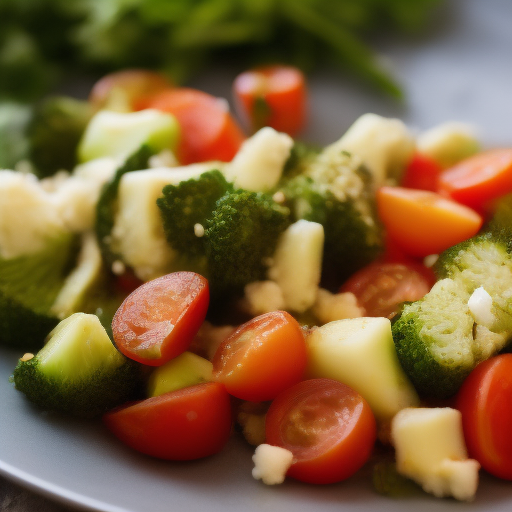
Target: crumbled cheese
263	296
430	260
259	163
199	230
118	267
480	307
430	449
329	307
271	464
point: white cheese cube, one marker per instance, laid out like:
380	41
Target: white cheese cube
259	163
297	264
430	449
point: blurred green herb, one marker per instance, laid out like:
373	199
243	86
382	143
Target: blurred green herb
42	40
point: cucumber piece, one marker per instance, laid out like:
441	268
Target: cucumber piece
119	134
183	371
360	353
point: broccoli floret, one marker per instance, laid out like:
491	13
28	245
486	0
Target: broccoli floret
14	144
440	338
239	229
106	206
240	237
187	204
333	190
54	133
79	370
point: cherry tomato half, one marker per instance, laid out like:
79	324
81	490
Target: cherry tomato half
329	428
272	96
186	424
485	402
159	319
208	131
262	357
381	287
479	179
423	222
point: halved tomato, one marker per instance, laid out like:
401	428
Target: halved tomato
381	287
262	357
485	402
186	424
159	320
329	428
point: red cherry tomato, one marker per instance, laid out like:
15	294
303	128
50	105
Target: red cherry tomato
262	357
479	179
272	96
186	424
329	428
422	173
381	287
423	222
208	131
159	319
485	402
127	89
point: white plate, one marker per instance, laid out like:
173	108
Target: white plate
462	72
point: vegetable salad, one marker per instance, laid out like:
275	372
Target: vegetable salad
175	275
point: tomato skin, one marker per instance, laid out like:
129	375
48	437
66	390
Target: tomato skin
485	402
381	287
479	179
262	357
127	89
186	424
272	96
158	320
208	131
422	173
329	428
423	222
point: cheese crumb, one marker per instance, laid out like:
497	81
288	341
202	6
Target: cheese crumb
198	230
27	357
480	304
271	463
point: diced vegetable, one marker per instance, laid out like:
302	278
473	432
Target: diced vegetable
360	353
79	371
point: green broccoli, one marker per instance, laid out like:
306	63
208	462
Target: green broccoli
14	144
442	337
54	133
238	229
187	204
333	190
106	207
79	370
240	237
